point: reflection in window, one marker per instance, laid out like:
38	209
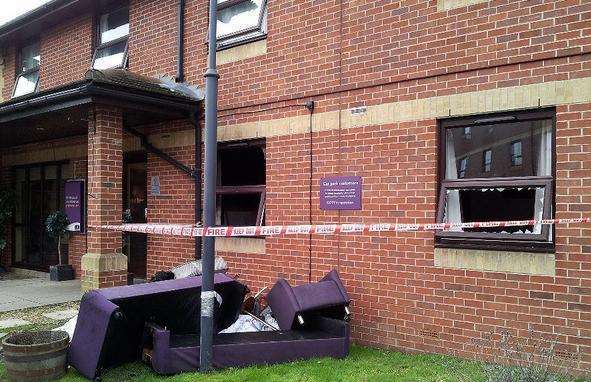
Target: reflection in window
516	158
517	187
28	76
487	160
462	168
113	37
241	21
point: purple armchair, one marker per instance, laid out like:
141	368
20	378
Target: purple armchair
290	305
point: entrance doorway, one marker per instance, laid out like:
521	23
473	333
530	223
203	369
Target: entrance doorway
39	192
135	202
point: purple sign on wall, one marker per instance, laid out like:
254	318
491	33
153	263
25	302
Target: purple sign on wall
74	198
340	193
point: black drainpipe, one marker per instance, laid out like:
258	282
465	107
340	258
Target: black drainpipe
198	182
180	43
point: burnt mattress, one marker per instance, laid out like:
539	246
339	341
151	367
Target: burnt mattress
111	321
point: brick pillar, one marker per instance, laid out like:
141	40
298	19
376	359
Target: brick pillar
104	265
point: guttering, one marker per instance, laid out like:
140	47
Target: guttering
89	91
180	42
37	14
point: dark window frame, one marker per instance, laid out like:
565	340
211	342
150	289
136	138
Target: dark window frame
18	68
233	39
97	38
260	189
497	241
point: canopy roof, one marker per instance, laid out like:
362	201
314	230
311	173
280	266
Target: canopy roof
61	112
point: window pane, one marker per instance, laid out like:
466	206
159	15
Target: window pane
240	209
243	166
494	204
242	16
26	83
114	25
110	57
516	149
487	160
30	57
516	158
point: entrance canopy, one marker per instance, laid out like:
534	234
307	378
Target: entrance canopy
62	112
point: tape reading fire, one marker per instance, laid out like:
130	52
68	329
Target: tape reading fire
321	229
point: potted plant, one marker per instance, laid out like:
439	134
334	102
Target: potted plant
56	226
7	200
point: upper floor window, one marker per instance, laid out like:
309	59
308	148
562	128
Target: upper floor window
27	79
514	182
241	21
113	33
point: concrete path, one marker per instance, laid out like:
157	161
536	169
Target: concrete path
20	294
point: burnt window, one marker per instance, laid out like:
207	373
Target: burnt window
504	172
113	33
27	79
241	21
241	183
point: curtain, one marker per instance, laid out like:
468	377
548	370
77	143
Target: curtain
544	168
452	205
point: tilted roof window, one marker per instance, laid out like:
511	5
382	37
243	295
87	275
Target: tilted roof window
111	51
27	79
241	21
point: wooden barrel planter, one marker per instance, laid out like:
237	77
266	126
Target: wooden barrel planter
35	356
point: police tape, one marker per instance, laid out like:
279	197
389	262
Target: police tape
322	229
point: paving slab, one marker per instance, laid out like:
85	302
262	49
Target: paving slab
61	314
21	294
13	323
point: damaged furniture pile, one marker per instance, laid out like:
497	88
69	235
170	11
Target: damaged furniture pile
159	322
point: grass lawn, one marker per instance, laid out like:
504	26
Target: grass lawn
364	364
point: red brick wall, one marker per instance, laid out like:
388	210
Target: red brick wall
105	182
389	52
9	72
152	37
66	52
174	205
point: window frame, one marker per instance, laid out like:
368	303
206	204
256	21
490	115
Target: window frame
97	39
21	73
233	39
260	189
543	242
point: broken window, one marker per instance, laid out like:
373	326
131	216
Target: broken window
241	21
241	183
27	78
113	32
513	182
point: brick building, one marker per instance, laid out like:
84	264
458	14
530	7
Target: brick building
449	110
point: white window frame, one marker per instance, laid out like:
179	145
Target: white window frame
100	46
27	72
247	35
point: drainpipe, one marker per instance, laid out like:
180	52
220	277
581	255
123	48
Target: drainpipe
211	96
180	43
198	179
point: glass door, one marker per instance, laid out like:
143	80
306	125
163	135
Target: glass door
38	193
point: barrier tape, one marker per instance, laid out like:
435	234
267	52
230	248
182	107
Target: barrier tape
322	229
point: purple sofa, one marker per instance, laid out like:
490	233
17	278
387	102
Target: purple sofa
111	322
323	332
